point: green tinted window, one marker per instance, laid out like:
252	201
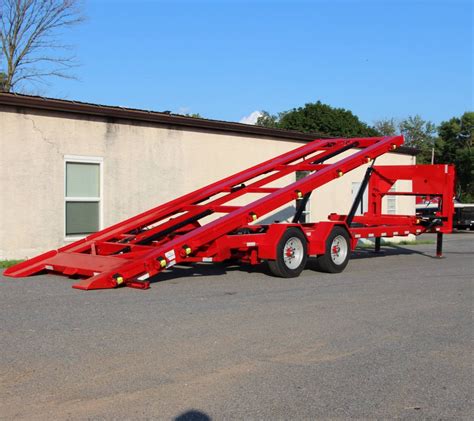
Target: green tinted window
82	217
82	180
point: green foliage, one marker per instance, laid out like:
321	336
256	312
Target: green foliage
418	133
7	263
267	120
387	127
457	136
319	118
452	145
194	115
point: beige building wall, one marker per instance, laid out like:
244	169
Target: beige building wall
144	164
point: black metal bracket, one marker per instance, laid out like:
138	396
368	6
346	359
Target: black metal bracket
301	207
360	194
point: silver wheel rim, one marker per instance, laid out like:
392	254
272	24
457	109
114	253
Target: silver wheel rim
293	253
339	250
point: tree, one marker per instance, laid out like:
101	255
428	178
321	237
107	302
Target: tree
457	135
418	133
3	81
319	118
29	34
453	145
267	120
387	127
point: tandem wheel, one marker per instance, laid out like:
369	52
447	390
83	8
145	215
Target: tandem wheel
337	254
291	254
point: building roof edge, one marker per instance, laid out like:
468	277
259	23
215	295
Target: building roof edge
68	106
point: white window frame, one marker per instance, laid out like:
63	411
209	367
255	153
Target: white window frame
391	199
84	160
364	203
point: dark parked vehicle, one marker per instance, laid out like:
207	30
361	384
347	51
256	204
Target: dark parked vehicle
463	214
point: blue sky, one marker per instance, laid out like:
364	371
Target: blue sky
226	59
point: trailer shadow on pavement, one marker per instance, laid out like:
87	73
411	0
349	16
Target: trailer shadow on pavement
390	250
222	268
207	269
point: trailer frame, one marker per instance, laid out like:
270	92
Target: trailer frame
181	231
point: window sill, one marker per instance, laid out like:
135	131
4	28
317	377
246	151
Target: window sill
72	238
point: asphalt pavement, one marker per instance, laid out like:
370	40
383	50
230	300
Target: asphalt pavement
390	337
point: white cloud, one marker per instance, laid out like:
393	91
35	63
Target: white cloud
251	118
183	110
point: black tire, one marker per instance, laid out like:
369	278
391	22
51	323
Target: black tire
325	262
292	266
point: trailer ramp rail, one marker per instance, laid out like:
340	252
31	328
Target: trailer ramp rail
132	251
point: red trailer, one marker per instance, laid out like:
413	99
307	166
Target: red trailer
130	252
